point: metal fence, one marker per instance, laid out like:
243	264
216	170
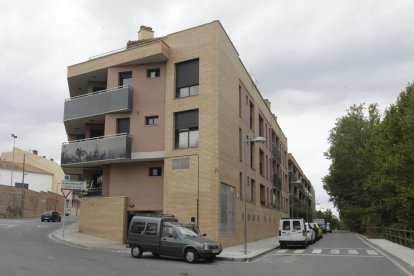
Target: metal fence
399	236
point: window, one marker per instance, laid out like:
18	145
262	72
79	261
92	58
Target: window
240	145
157	171
251	154
296	225
138	227
151	120
227	208
240	101
262	195
251	115
186	129
261	126
182	163
122	125
261	162
153	73
125	78
286	225
151	229
168	231
187	78
252	190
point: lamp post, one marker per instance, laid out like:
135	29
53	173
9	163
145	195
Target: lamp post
260	140
14	144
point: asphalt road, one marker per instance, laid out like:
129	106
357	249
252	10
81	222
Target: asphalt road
26	249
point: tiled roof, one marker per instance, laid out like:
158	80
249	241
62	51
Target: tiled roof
134	43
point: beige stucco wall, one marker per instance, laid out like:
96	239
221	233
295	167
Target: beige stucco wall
148	100
144	192
40	162
104	217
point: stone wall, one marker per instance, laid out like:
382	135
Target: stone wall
34	202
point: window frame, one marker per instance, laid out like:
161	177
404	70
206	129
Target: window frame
157	169
154	120
157	72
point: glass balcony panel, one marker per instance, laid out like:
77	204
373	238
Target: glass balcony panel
102	102
98	150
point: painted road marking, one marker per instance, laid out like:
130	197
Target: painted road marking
317	251
353	252
335	251
299	251
372	252
282	251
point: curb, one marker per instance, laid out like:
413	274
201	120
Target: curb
246	259
57	237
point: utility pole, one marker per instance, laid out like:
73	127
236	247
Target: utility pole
22	203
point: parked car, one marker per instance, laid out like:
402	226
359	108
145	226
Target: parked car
292	231
328	227
317	229
311	234
50	216
164	235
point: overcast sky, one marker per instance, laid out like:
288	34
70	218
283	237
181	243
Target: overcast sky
312	59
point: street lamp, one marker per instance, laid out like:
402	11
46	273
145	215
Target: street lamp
14	143
260	140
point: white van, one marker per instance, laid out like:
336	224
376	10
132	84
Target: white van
292	231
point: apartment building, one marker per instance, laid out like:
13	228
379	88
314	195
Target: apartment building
161	126
301	192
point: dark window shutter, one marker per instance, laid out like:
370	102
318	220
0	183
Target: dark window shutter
186	119
187	73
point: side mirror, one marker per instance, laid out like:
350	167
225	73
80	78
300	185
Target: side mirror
204	235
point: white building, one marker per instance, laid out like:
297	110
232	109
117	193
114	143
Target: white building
35	179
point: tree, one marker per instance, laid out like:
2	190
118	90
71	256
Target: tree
329	217
350	163
391	182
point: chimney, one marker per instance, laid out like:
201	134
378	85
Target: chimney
35	152
145	33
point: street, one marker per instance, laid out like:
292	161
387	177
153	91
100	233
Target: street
26	249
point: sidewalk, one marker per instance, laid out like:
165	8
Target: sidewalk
402	253
235	253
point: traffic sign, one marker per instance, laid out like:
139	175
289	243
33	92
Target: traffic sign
73	185
66	192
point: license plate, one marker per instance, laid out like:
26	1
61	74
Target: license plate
216	251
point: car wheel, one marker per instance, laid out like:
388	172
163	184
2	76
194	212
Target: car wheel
190	255
59	219
282	246
41	220
136	251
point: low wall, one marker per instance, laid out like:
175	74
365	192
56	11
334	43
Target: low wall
34	202
105	217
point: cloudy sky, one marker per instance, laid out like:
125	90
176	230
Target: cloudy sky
311	58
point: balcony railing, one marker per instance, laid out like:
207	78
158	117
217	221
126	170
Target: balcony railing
276	155
100	150
277	182
117	99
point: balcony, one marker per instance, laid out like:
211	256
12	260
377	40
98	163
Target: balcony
96	151
277	183
117	99
276	155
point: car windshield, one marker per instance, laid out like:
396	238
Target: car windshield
184	231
